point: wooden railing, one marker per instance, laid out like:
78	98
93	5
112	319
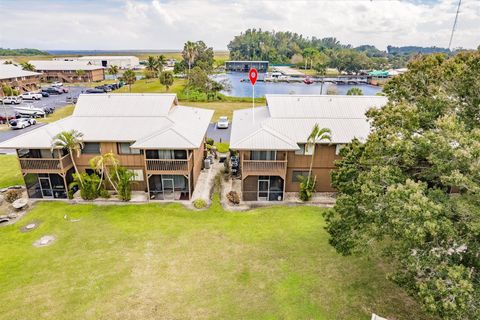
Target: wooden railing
264	167
169	165
46	165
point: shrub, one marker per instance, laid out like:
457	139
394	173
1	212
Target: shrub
104	193
7	90
123	178
12	195
199	203
226	165
89	189
222	147
210	141
233	197
307	188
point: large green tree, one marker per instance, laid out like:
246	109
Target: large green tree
129	77
412	190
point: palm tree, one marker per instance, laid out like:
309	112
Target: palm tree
101	164
161	61
113	70
72	141
151	64
129	78
190	52
27	66
317	135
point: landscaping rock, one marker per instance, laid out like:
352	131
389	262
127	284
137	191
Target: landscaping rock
30	226
12	216
20	203
44	241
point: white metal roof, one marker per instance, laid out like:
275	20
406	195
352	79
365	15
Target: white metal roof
107	57
151	121
288	120
8	71
58	65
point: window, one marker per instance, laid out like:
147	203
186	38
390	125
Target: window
91	148
263	155
339	147
305	150
138	175
124	148
297	175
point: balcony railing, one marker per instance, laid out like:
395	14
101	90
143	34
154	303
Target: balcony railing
171	166
46	165
264	167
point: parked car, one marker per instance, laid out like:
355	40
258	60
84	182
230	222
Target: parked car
22	123
94	91
105	88
45	94
64	89
52	90
12	100
222	123
71	99
31	96
57	84
4	119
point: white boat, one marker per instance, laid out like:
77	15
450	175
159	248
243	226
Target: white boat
29	111
275	76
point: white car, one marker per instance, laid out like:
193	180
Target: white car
22	123
57	84
12	100
31	96
222	123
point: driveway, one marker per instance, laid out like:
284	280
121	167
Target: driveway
219	135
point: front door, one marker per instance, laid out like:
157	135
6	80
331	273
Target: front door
263	187
168	189
46	187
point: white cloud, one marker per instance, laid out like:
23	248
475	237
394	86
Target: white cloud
160	24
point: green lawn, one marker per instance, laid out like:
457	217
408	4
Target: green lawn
166	262
60	113
222	147
10	174
152	85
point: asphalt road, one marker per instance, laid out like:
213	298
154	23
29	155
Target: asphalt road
219	135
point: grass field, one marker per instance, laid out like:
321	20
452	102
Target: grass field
9	171
166	262
153	86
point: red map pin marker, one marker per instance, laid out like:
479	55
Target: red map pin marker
253	74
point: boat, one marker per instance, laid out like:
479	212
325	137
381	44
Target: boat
275	76
307	80
29	111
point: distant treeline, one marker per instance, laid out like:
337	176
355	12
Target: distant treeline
318	53
415	50
21	52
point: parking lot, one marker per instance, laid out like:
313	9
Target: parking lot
56	101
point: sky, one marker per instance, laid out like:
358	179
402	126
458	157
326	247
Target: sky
168	24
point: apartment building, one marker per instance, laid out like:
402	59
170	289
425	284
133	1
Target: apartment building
68	71
272	140
15	77
151	134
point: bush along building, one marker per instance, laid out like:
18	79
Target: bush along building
151	135
273	146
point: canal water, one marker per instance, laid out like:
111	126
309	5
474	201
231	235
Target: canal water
244	89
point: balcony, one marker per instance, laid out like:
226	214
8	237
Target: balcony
264	168
39	165
169	166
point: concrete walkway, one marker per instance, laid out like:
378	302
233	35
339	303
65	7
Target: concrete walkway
206	180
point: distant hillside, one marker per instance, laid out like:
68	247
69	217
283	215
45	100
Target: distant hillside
21	52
